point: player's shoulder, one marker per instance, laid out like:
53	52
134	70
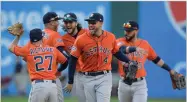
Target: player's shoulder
83	35
66	36
144	41
82	31
51	33
109	34
122	39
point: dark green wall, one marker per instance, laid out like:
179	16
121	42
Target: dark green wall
121	12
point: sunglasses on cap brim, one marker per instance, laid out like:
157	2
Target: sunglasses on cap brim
55	18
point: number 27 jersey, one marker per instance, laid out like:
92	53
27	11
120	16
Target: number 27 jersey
41	61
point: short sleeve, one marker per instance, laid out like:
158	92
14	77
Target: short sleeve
20	51
76	48
115	46
151	54
57	40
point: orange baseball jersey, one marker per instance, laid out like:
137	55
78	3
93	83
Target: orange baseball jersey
41	61
52	38
95	53
137	56
69	41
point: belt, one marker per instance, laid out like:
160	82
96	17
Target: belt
40	81
129	82
95	73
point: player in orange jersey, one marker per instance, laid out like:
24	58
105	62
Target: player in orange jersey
136	90
95	49
53	38
42	65
73	29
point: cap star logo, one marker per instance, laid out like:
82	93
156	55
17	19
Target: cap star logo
91	15
68	16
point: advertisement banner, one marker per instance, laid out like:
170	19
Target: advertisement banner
163	25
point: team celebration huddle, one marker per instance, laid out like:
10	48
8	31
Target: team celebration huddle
87	53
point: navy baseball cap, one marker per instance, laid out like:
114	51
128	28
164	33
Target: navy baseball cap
131	25
36	35
70	17
50	16
95	17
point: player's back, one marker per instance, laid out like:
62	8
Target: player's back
52	38
42	62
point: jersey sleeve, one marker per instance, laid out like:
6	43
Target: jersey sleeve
20	51
57	40
76	48
115	46
119	43
60	57
151	54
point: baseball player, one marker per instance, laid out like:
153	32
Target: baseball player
53	38
42	65
95	49
73	29
135	90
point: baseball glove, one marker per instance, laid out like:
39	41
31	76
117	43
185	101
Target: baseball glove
178	81
131	70
16	29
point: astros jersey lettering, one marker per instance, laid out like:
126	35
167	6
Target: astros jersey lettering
96	53
137	56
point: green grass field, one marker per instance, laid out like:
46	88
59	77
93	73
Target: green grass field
114	99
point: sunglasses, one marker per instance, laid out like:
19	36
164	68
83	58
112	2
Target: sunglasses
128	26
54	19
92	22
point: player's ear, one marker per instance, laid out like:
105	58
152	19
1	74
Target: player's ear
76	24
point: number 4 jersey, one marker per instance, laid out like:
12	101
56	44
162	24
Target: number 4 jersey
41	61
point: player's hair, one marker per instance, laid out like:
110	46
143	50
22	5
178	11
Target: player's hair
79	26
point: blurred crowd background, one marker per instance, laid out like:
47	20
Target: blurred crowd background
162	24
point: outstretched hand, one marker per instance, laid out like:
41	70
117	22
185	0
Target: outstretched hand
68	88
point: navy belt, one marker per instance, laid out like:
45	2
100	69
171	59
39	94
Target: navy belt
95	73
40	81
129	82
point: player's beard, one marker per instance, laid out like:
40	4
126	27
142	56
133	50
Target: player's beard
129	38
71	30
56	28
